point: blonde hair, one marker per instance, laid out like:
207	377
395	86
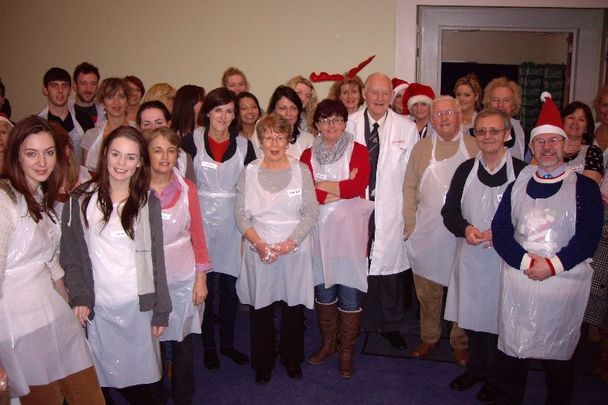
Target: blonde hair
309	110
232	71
472	81
334	91
503	82
160	91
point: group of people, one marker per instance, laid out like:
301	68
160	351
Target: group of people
127	212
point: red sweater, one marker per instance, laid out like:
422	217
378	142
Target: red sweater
348	188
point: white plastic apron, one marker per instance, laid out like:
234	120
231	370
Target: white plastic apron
519	148
185	317
216	183
578	163
472	299
124	351
342	231
95	148
40	338
274	216
431	246
542	319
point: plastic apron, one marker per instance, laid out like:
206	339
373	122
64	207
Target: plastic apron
124	351
473	295
431	247
40	338
185	317
216	184
519	148
542	319
342	231
578	163
95	148
274	216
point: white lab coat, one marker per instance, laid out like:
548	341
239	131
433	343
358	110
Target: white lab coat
397	138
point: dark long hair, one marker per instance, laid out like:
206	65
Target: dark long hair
571	108
291	95
237	107
183	120
50	188
139	184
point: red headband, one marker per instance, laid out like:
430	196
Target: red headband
326	77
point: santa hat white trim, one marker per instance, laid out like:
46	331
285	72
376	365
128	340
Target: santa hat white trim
420	98
547	129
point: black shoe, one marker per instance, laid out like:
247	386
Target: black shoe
487	393
395	339
212	362
463	382
294	372
262	377
234	355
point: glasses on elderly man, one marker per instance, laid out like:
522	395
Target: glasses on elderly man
330	121
551	141
447	114
490	131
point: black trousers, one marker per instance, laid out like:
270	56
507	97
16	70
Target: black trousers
482	355
142	394
386	298
512	374
229	303
182	381
263	336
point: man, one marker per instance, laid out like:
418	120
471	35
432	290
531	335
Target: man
474	194
505	95
86	81
547	226
430	245
57	87
389	138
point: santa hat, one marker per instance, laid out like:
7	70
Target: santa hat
399	85
549	119
417	93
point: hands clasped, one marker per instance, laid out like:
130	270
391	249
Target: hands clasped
269	253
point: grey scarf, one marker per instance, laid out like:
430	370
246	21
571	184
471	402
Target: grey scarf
325	154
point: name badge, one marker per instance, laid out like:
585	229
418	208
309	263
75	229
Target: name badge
209	165
165	215
294	192
320	176
118	234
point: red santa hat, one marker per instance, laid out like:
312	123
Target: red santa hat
417	93
549	119
399	85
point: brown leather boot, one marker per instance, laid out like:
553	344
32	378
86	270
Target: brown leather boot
348	329
327	314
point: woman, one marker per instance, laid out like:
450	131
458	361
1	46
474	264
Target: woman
41	344
162	92
135	93
186	109
580	154
306	91
112	254
186	257
505	95
5	129
467	91
219	156
275	210
113	95
340	168
601	113
417	100
349	91
235	80
247	112
286	102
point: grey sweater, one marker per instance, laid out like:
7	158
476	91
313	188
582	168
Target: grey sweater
75	260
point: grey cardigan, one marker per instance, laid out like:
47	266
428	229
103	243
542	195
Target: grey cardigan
152	282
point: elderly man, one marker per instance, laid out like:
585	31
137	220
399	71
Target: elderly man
547	226
474	194
430	245
389	138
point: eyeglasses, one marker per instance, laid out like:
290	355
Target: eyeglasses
271	139
328	121
551	141
486	131
447	114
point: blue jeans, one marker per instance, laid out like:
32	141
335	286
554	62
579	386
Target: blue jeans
349	299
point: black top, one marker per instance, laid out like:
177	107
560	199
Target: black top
594	159
452	209
189	146
68	124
